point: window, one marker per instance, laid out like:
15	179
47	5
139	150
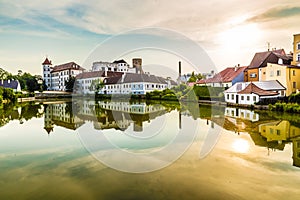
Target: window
248	98
294	84
298	46
232	96
298	57
294	72
254	98
278	132
278	72
227	96
242	97
252	75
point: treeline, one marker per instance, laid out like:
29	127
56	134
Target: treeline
7	94
183	92
28	82
291	105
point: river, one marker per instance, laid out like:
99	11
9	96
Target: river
83	149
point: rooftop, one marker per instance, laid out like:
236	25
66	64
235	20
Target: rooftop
13	84
273	85
252	88
95	74
227	75
261	59
66	66
46	62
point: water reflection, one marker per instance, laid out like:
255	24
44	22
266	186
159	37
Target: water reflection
266	129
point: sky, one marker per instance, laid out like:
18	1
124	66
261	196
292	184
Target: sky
230	31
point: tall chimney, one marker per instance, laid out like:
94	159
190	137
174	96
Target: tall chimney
179	68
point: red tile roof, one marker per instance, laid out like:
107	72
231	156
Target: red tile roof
261	59
227	75
46	62
66	66
252	88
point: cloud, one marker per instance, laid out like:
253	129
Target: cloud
276	13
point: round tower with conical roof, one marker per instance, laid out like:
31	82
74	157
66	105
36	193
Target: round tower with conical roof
47	73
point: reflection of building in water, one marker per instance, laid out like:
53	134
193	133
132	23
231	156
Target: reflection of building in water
283	132
242	114
119	115
279	131
60	114
296	151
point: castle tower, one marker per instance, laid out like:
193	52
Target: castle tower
46	73
137	64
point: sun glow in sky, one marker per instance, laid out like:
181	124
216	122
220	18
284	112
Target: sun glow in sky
230	31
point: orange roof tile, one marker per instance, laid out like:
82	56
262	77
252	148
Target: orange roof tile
252	88
227	75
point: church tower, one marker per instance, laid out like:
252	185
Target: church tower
46	73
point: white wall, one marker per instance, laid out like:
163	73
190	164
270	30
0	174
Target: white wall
245	99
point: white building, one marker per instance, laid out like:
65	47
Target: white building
135	84
55	77
86	81
47	67
249	93
116	66
241	114
60	114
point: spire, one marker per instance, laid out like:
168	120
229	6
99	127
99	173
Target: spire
47	62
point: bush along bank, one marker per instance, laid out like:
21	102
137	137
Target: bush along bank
177	93
285	107
7	94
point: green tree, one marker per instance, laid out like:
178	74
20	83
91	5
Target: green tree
195	77
70	84
96	85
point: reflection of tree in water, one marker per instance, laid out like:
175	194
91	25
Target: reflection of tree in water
10	112
30	111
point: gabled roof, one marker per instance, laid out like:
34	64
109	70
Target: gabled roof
273	85
129	78
12	84
120	61
261	59
99	74
252	88
227	75
66	66
46	62
133	78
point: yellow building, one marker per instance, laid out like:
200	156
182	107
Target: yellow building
296	55
287	75
279	131
260	60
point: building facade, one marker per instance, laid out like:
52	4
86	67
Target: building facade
139	84
254	72
55	77
249	93
296	50
287	75
12	84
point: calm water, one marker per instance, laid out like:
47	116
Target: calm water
85	150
